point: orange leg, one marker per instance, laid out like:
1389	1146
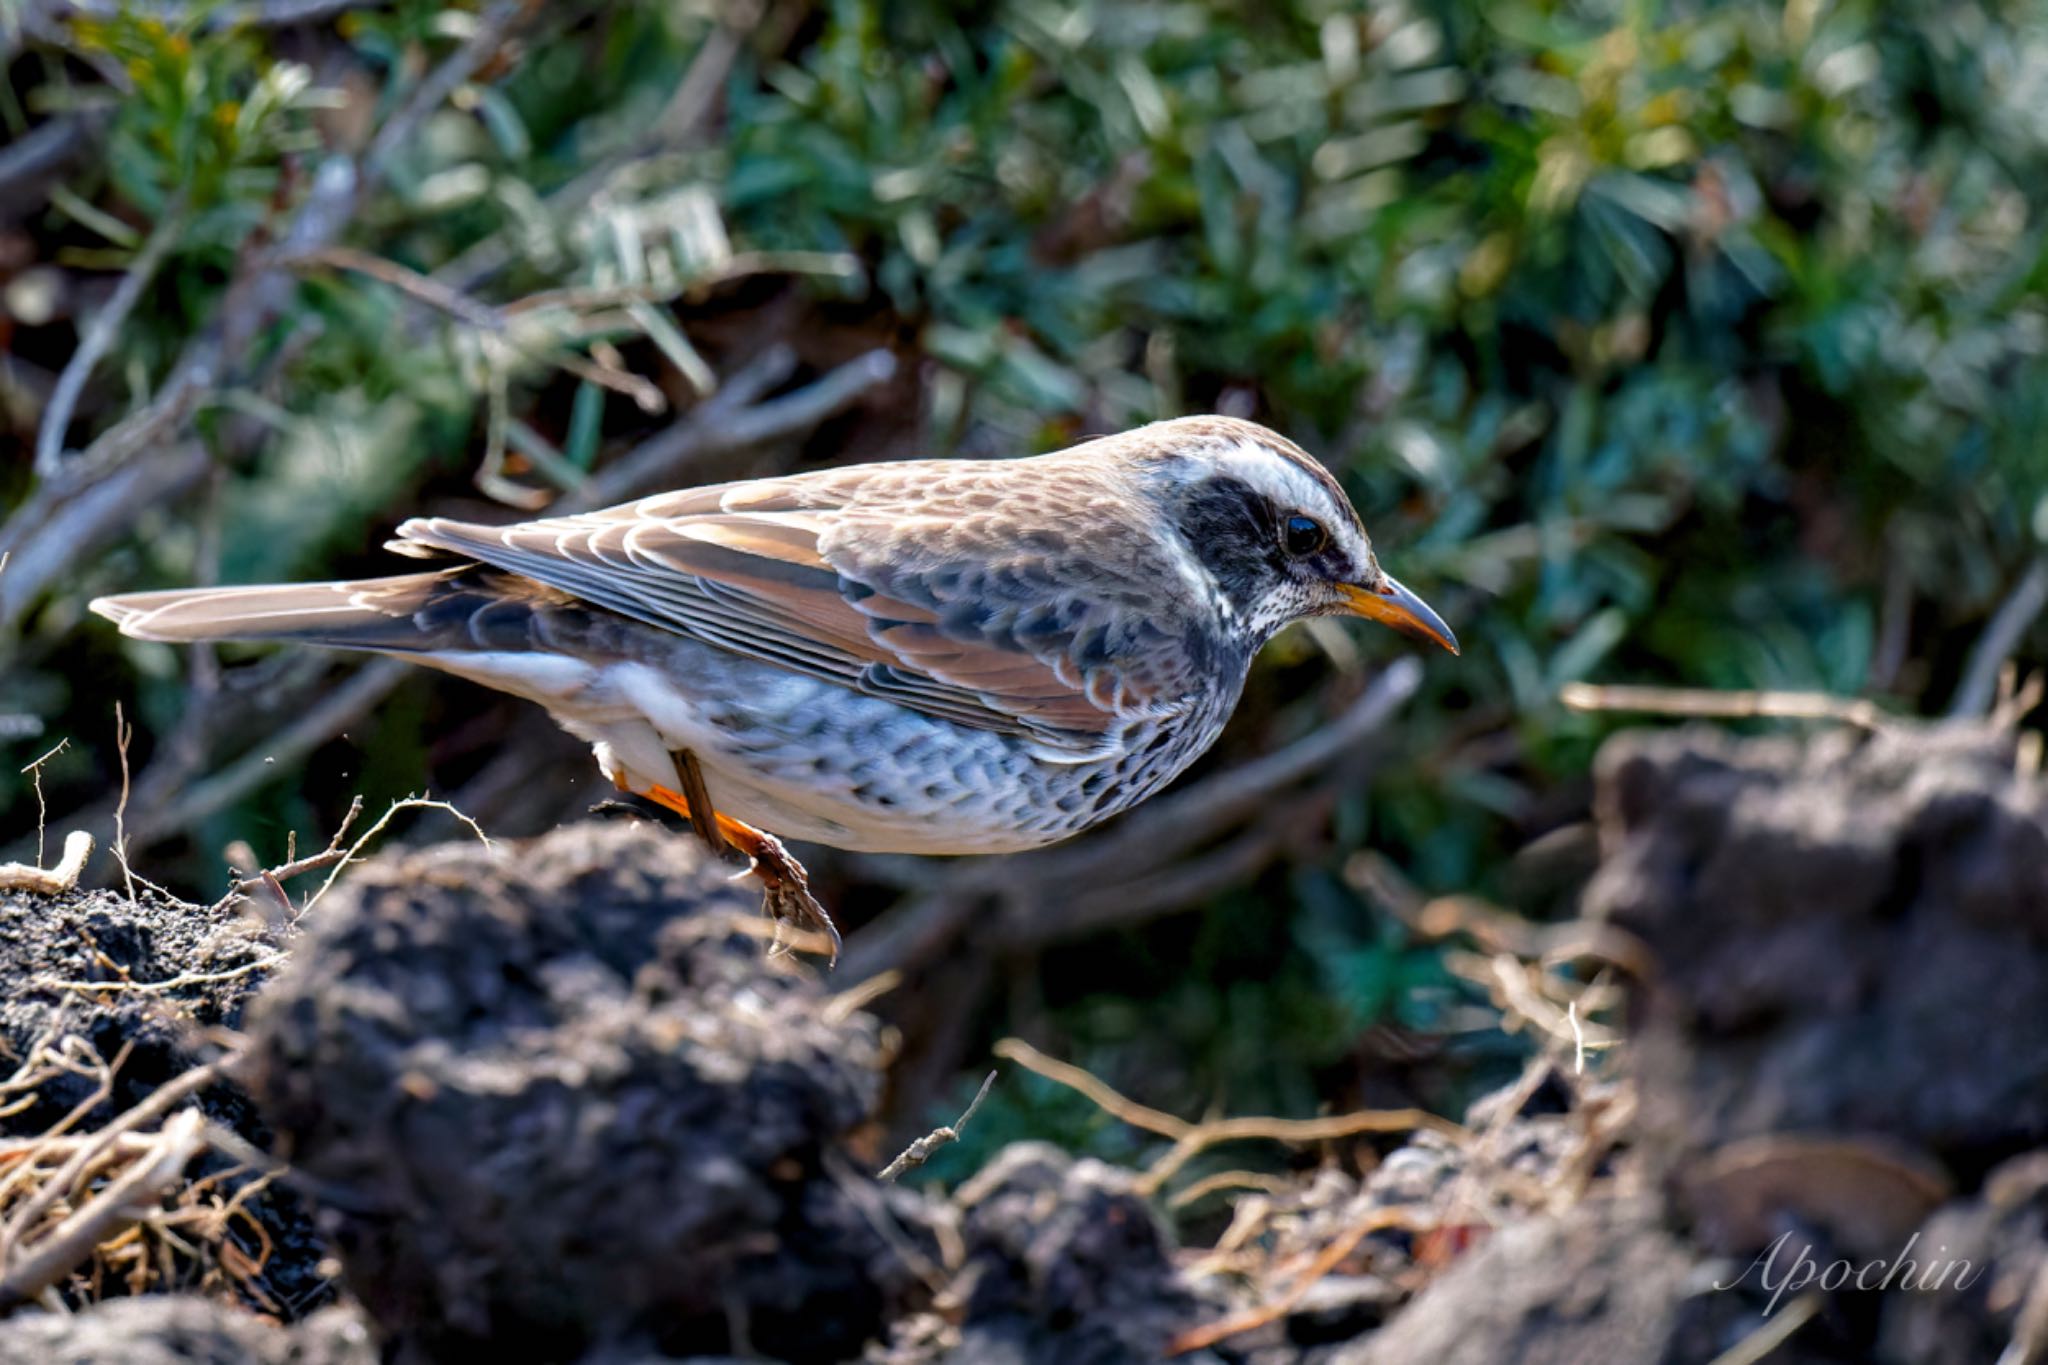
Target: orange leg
787	886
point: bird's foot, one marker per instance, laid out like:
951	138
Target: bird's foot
786	887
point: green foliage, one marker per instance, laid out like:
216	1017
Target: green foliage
1656	342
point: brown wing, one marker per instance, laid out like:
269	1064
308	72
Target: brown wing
956	588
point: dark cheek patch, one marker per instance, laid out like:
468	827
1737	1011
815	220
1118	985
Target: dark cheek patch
1235	531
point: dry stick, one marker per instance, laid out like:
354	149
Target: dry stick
160	1102
1378	1220
425	288
1192	1138
1706	702
57	880
169	983
1228	1180
408	803
1205	1135
99	336
1775	1332
1093	1088
35	774
103	1087
272	878
119	1206
43	1144
920	1151
122	734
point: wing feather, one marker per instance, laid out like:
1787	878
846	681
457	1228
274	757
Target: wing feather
832	576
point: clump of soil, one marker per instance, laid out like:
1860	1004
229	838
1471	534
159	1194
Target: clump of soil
1851	931
556	1099
556	1103
1843	1026
96	977
1063	1262
55	949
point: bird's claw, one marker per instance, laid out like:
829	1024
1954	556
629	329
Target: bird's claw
786	895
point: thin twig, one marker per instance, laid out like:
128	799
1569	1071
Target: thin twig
1190	1139
106	324
1202	1136
122	734
920	1151
1733	705
1099	1092
120	1205
408	803
1377	1220
1228	1180
168	984
160	1102
426	289
272	878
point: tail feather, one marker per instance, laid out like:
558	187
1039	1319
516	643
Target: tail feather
374	613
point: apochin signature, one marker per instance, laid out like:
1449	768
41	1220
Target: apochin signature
1900	1272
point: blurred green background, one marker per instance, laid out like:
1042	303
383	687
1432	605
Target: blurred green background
1690	344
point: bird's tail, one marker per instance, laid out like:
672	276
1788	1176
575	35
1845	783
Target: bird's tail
371	613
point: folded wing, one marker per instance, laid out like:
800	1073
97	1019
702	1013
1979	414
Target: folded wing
962	617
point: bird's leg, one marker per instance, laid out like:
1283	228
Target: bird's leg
786	886
702	816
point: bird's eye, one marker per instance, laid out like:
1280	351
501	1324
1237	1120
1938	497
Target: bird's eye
1303	536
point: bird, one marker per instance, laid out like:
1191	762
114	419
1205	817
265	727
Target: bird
942	656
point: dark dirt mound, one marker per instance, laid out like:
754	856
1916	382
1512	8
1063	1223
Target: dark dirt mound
1852	934
1600	1283
54	948
1064	1263
557	1105
94	974
1846	1022
557	1099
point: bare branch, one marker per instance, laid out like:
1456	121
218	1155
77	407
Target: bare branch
920	1151
426	289
99	336
1705	702
2009	625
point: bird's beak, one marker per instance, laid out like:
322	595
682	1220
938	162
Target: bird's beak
1391	604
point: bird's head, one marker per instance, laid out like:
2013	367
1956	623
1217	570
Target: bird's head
1274	532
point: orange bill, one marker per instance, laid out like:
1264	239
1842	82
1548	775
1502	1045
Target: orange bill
1391	604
